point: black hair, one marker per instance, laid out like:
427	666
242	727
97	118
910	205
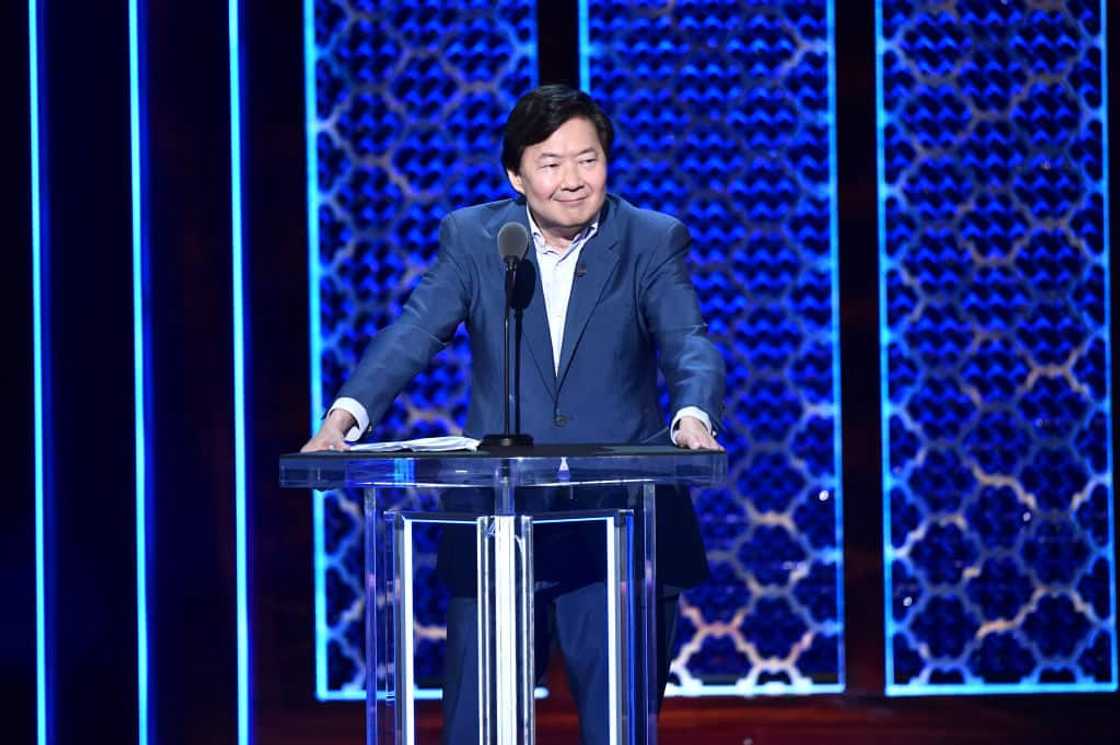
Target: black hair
541	112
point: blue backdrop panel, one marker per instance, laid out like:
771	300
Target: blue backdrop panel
725	114
409	101
997	472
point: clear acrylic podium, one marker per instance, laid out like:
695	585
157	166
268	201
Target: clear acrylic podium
494	504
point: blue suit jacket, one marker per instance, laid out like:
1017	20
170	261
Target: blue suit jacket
632	309
632	301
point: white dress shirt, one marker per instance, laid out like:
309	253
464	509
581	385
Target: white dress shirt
557	273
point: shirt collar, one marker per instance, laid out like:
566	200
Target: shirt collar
582	237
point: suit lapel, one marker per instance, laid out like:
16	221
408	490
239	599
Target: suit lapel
530	296
597	263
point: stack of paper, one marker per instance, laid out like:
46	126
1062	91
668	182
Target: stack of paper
421	445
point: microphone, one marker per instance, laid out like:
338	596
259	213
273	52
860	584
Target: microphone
513	243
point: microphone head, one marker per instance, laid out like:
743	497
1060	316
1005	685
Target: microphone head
513	242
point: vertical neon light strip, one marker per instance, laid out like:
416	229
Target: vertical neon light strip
312	207
584	48
140	372
315	341
240	484
1106	197
37	342
885	263
837	402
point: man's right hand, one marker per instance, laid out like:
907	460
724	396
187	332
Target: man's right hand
332	435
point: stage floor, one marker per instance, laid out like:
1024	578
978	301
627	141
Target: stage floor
823	720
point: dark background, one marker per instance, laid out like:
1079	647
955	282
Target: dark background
88	423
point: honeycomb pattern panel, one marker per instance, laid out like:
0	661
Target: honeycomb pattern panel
997	477
409	100
725	118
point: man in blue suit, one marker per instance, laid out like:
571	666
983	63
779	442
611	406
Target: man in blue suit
606	301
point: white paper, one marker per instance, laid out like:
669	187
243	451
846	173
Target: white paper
421	445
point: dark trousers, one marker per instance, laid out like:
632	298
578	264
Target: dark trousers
578	619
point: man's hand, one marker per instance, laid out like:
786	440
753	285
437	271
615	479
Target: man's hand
692	434
331	436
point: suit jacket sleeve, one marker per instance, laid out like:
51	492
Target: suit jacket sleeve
400	351
693	368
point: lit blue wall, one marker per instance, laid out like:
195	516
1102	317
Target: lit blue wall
725	116
997	472
409	100
754	179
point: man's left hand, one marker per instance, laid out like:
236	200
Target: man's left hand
692	434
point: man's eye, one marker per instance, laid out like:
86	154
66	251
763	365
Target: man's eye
589	161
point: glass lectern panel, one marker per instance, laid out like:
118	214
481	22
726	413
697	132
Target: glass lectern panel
472	557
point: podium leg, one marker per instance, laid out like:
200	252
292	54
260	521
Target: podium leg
382	589
505	630
619	588
403	671
650	605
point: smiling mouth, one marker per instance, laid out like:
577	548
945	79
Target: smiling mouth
572	201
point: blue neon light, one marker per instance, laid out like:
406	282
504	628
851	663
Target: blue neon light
765	689
244	729
1106	259
884	338
41	703
834	265
141	371
987	689
584	48
315	341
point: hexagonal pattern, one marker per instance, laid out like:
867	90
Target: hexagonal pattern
993	273
724	118
410	98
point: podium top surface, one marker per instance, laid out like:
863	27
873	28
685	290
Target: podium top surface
542	465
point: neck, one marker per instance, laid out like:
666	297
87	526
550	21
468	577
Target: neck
558	237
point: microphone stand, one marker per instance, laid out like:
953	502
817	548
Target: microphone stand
507	438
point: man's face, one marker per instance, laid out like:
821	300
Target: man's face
564	179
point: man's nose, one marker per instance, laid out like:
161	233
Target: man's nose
571	178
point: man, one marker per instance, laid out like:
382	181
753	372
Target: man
609	302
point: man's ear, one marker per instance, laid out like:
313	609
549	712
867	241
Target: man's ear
515	181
